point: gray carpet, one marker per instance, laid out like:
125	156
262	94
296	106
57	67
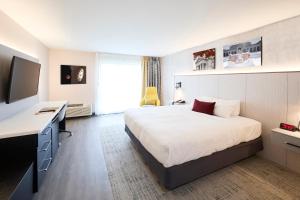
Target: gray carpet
131	179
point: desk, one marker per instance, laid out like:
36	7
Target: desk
28	144
27	122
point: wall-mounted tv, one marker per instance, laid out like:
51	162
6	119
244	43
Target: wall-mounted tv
72	74
23	79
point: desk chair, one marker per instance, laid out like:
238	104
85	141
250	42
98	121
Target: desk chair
62	121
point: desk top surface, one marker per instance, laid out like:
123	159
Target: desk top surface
29	121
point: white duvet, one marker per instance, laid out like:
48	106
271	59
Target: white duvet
175	134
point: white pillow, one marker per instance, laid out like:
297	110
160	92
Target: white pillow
224	108
227	108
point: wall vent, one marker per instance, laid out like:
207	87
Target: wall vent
78	110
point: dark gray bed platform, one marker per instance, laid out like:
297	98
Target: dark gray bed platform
177	175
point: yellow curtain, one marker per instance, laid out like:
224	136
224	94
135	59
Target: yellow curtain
145	63
151	73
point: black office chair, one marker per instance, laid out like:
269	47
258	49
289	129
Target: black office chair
62	124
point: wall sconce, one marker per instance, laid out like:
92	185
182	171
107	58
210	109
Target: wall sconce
178	85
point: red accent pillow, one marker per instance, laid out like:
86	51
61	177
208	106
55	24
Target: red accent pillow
204	107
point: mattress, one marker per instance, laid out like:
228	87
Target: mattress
175	134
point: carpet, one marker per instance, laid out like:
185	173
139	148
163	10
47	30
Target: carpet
131	179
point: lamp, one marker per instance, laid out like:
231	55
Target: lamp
178	96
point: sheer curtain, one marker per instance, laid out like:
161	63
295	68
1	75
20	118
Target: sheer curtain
119	83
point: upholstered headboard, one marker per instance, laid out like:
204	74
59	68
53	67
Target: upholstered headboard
270	98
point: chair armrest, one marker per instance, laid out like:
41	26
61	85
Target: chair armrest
142	102
158	102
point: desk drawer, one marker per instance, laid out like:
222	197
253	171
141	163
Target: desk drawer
44	136
42	170
44	156
44	152
287	141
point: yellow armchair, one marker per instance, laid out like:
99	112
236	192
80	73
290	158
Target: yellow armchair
151	97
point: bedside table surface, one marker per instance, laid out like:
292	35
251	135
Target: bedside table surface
295	134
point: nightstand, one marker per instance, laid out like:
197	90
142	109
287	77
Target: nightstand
290	142
287	139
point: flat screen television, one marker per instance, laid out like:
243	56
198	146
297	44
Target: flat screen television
23	79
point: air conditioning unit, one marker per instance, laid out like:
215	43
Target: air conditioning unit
78	110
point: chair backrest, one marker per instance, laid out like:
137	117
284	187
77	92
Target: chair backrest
151	92
62	113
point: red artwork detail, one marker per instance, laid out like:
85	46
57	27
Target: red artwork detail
206	53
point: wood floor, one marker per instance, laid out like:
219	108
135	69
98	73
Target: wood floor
79	170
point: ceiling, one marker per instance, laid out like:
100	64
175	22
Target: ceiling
142	27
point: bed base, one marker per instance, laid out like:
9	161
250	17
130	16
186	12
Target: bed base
172	177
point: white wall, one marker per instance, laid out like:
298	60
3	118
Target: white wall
281	49
79	93
15	37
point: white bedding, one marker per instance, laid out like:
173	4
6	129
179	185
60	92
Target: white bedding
175	134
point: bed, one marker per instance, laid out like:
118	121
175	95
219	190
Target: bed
180	145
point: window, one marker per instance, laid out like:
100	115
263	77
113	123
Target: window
120	83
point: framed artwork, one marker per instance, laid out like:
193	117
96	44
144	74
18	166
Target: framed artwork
204	60
247	54
72	74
